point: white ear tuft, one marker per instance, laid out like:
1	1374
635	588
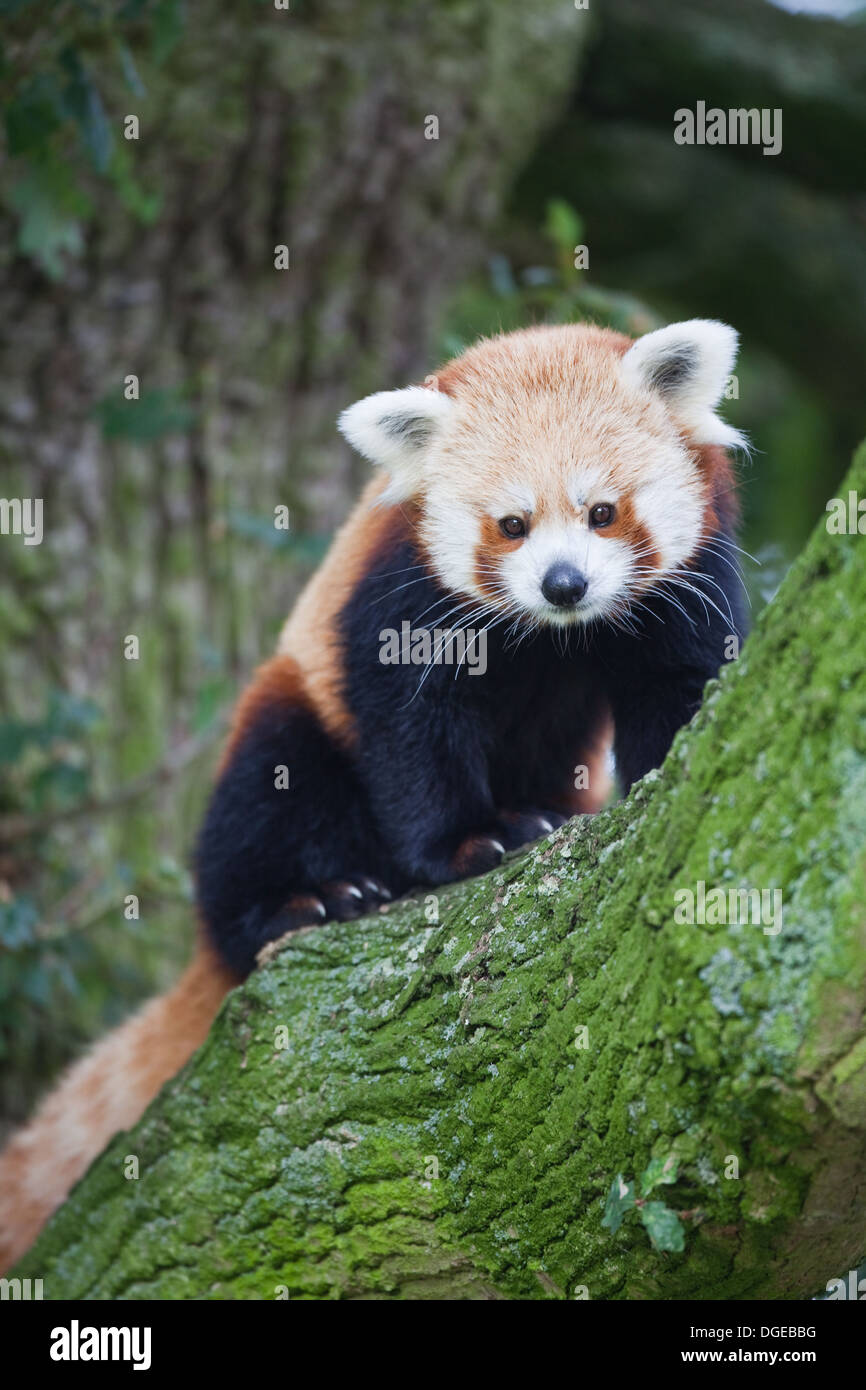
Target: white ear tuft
395	429
688	364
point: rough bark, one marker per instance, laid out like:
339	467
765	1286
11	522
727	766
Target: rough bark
308	1168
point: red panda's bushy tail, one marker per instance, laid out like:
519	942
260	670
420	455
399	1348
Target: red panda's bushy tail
105	1091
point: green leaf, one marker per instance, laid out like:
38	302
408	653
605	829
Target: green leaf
259	528
620	1200
49	209
70	716
18	922
663	1226
145	206
167	27
563	225
155	414
33	116
15	737
83	103
61	783
130	71
35	984
305	549
66	717
658	1170
131	10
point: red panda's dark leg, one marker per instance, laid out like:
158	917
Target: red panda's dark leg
648	719
428	787
655	686
287	840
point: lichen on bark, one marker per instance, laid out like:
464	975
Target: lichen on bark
433	1127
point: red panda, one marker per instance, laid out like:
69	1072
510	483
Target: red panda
566	495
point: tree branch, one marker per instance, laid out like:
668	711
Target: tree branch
429	1124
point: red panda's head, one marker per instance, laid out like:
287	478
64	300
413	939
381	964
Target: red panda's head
562	471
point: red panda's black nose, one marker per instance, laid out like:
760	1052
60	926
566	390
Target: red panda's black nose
563	585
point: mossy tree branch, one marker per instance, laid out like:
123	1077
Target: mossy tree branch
416	1048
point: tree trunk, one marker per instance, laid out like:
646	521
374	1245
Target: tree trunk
306	128
411	1108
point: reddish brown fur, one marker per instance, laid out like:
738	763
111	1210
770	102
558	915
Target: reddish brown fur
626	526
499	358
310	635
277	681
493	545
723	504
587	801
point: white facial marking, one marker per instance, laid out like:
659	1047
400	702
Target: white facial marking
604	562
672	511
513	500
588	486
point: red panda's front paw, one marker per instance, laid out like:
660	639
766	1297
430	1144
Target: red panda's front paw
300	910
516	828
352	897
339	900
476	855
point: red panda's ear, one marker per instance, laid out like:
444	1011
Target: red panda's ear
396	429
689	365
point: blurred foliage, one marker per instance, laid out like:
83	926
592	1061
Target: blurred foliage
58	135
155	414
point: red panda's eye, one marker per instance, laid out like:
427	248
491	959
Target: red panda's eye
603	514
513	527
